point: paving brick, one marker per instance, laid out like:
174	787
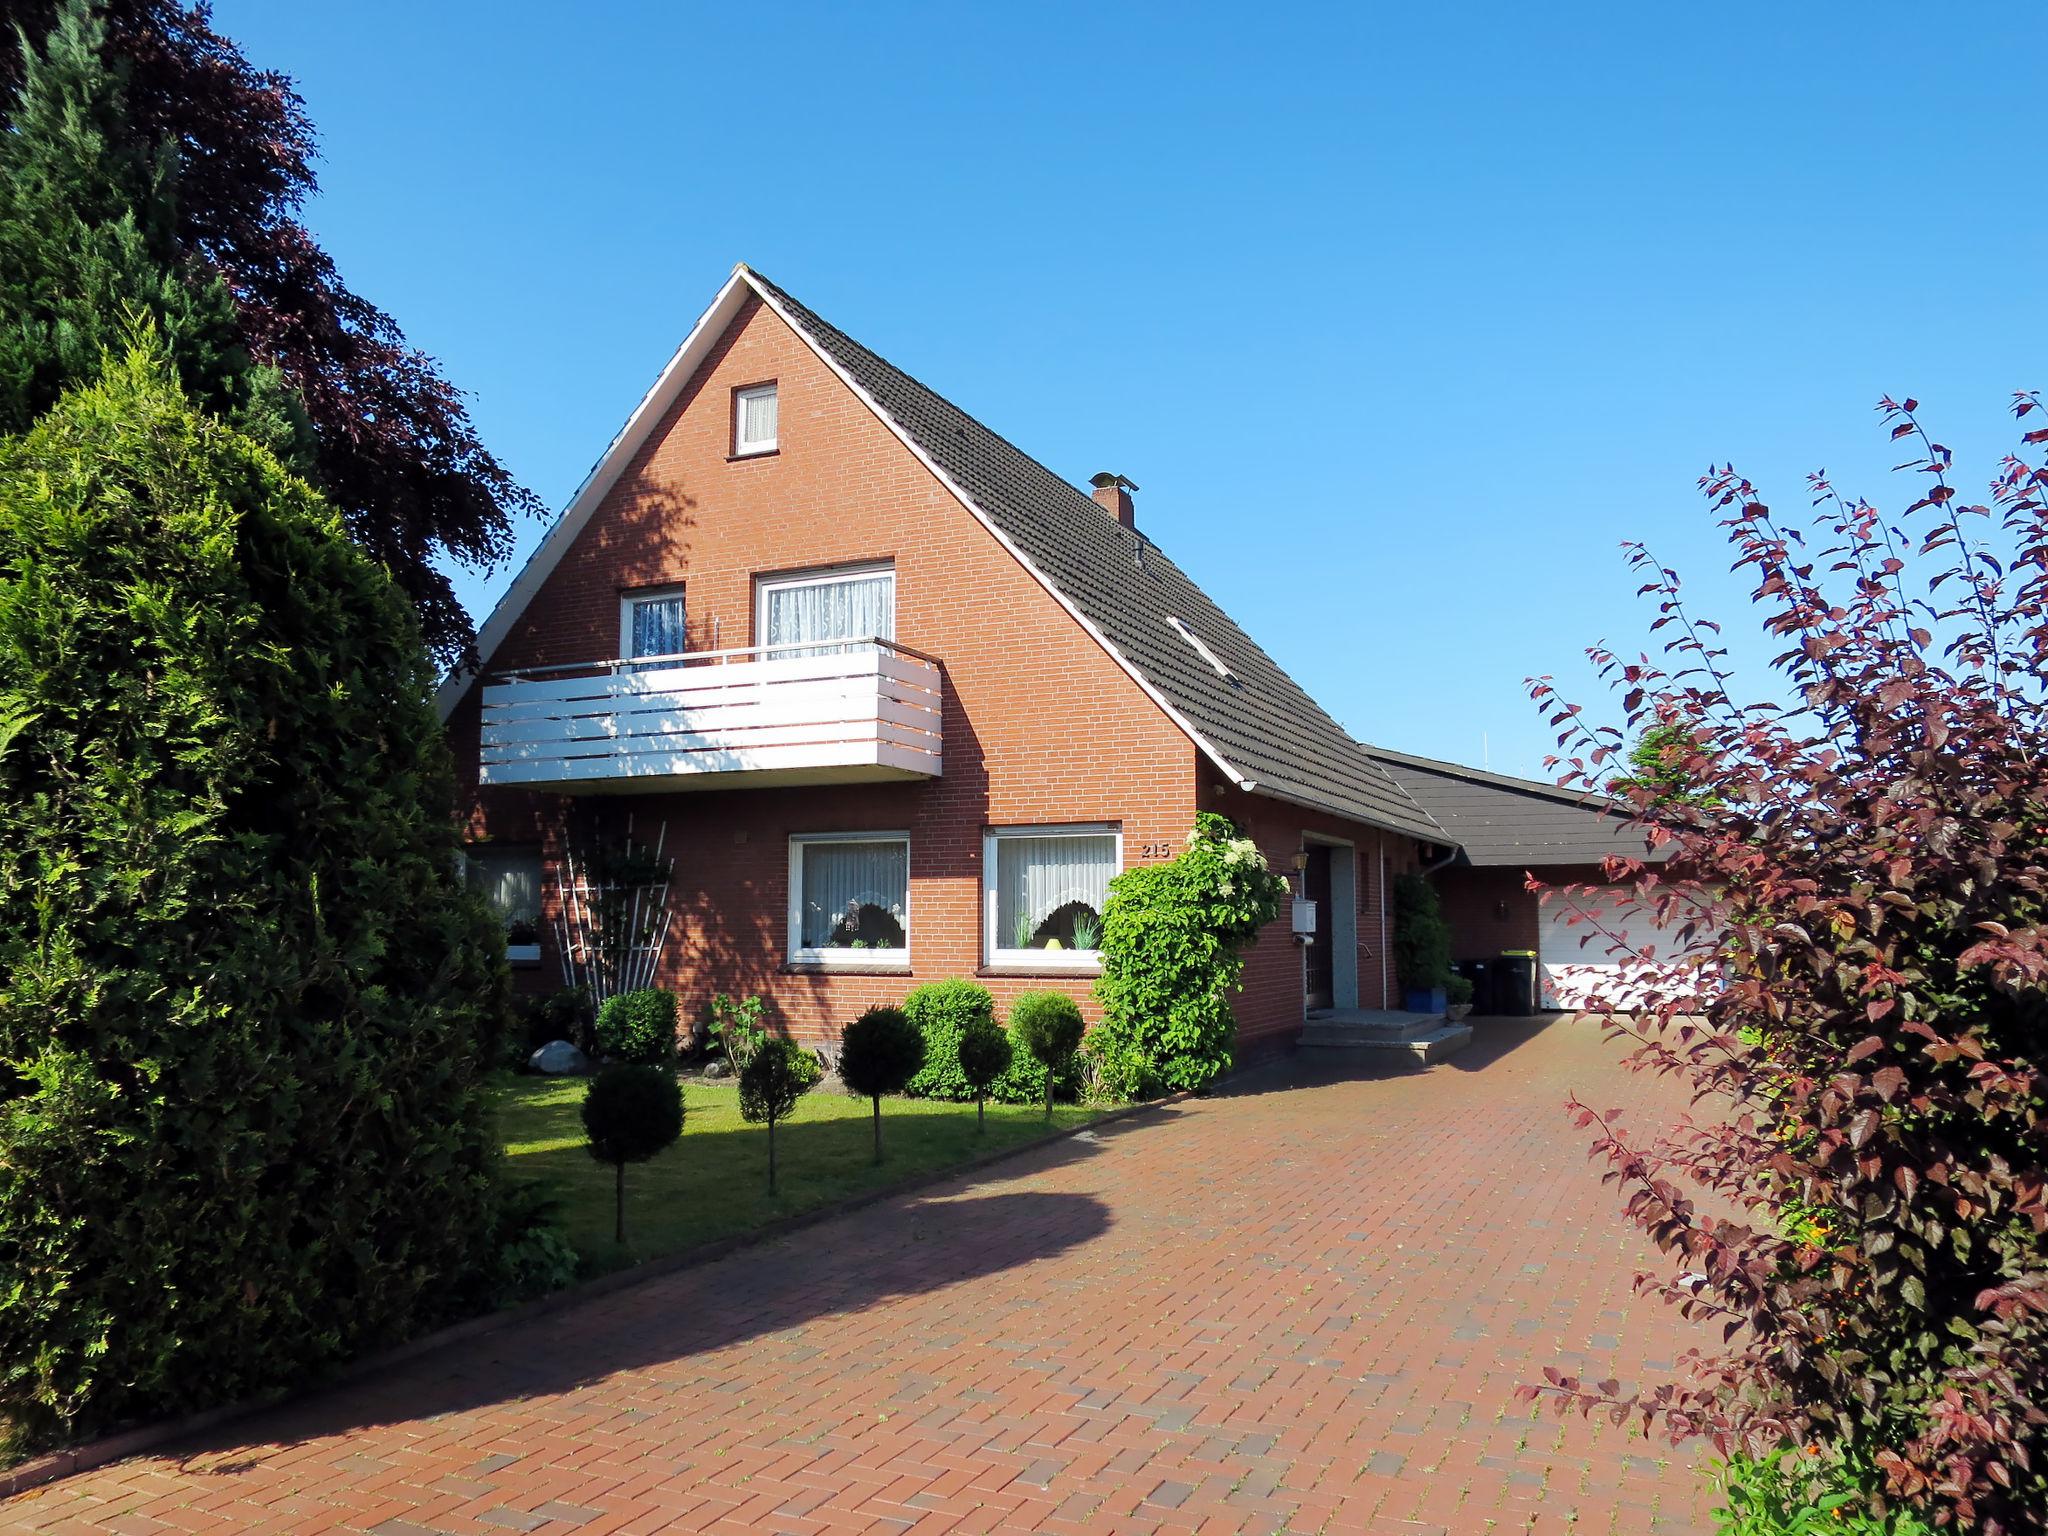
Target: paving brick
1225	1316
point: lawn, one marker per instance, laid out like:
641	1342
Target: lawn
714	1182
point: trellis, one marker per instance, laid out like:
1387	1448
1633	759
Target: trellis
612	921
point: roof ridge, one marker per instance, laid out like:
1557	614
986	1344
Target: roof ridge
1590	797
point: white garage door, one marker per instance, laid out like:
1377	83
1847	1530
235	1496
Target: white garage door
1575	963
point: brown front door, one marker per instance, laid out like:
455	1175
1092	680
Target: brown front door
1322	955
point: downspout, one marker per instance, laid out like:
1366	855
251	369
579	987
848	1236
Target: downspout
1381	843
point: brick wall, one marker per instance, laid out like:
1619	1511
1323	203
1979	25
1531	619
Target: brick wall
1040	725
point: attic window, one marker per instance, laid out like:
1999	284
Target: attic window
1180	628
754	420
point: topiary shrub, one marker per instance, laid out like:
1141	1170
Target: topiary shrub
638	1027
1172	942
246	1004
1049	1026
631	1111
984	1056
776	1076
942	1012
879	1052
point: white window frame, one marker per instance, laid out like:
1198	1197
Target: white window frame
764	585
632	597
832	957
999	956
741	448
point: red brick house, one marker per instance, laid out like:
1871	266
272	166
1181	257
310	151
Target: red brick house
900	699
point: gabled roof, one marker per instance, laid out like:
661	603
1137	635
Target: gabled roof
1257	725
1500	820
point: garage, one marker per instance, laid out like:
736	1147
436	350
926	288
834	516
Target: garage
1577	963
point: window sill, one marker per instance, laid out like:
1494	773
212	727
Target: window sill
1044	972
753	453
522	954
841	968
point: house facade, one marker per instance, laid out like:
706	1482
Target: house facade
898	700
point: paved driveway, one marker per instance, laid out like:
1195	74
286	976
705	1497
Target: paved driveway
1302	1306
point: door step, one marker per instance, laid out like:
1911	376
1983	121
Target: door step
1419	1037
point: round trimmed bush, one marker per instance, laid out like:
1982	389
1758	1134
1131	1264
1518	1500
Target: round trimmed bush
984	1055
1049	1026
879	1052
638	1027
942	1012
779	1073
630	1112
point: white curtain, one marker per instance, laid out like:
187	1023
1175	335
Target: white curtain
658	626
757	419
1036	876
841	878
509	879
851	608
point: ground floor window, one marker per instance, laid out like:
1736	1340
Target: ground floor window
849	899
509	878
1044	889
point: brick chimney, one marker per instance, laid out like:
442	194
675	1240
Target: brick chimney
1113	495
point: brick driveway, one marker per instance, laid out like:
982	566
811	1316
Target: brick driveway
1300	1306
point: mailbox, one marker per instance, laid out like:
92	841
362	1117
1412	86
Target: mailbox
1304	918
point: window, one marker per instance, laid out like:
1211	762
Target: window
1043	891
754	420
509	878
1181	628
849	900
846	604
651	624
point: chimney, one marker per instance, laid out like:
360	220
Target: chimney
1113	495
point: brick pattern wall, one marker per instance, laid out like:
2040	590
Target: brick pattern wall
1490	910
1040	725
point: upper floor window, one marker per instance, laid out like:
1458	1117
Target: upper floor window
754	420
651	623
850	603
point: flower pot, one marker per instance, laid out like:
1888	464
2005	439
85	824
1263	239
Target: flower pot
1458	1011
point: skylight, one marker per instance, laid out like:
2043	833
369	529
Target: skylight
1180	627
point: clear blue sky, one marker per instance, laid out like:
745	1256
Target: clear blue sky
1402	317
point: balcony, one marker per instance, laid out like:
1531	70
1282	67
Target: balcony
857	711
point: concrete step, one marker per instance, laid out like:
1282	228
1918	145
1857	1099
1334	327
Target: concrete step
1440	1039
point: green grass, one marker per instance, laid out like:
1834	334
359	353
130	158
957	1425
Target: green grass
714	1182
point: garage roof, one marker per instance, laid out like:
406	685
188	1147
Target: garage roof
1501	820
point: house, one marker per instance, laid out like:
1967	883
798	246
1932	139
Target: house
1507	829
898	699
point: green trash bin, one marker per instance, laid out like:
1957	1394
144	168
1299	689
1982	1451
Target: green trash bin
1514	983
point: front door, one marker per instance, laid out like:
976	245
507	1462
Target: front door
1322	954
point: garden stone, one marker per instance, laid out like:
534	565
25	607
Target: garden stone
715	1069
558	1058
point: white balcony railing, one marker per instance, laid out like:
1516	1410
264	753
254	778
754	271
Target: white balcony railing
769	714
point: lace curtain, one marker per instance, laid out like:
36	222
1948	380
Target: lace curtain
1036	876
851	608
841	878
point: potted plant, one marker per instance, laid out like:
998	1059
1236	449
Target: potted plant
1459	990
1422	946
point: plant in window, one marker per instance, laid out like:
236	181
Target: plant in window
779	1073
984	1055
522	930
1087	929
867	926
1048	1025
1172	955
630	1112
879	1053
1024	932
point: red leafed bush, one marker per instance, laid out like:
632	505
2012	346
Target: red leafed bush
1856	880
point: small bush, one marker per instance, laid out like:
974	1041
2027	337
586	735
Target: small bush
630	1112
984	1056
1049	1026
1785	1494
779	1073
943	1012
638	1027
737	1025
1459	990
879	1052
